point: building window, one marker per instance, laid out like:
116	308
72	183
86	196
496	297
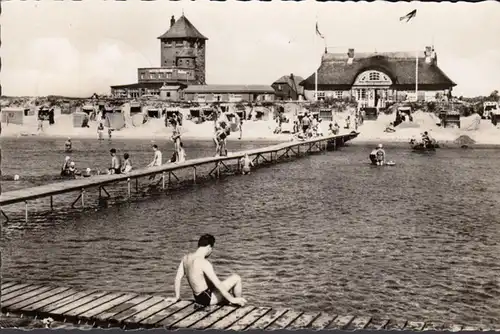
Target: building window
280	88
168	94
361	94
201	97
179	44
169	75
168	44
321	95
153	75
143	76
338	94
162	75
374	76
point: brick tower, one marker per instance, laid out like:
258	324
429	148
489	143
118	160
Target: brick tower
183	47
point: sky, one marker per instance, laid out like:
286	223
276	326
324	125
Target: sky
78	48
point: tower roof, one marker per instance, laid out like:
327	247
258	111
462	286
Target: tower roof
182	28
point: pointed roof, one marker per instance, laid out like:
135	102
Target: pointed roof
182	28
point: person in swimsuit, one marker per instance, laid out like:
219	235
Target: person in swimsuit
68	145
115	163
206	286
247	163
100	130
380	154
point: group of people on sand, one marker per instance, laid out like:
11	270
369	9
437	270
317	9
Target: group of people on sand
308	127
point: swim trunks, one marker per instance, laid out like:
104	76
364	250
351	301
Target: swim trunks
204	297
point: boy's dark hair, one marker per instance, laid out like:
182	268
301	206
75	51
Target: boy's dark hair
112	150
206	240
155	146
126	155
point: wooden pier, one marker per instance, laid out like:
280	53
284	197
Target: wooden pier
221	165
131	311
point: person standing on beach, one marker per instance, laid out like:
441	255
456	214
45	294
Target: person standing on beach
176	138
115	163
206	287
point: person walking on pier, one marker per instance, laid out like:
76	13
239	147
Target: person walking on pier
206	287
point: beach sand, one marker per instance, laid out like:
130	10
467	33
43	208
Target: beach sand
482	132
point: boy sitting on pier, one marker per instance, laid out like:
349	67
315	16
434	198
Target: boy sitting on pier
206	286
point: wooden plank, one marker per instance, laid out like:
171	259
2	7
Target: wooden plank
13	288
62	310
433	326
115	310
50	300
303	321
7	284
65	301
470	329
285	320
136	309
249	319
268	319
377	323
452	327
37	298
195	317
25	296
340	322
213	317
150	311
93	304
232	318
18	292
415	326
395	324
165	313
106	306
358	323
177	316
322	321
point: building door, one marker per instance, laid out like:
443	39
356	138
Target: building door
371	97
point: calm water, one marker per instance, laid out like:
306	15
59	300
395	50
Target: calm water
324	233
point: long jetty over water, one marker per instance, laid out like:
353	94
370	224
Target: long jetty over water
265	155
131	311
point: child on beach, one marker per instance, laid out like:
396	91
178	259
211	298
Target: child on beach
182	153
246	162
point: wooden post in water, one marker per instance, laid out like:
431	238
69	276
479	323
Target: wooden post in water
129	192
83	197
194	174
163	180
26	211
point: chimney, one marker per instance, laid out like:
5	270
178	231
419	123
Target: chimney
428	59
291	75
350	55
172	21
433	55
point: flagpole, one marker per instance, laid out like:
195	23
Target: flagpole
316	70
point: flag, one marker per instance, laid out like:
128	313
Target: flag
317	31
409	16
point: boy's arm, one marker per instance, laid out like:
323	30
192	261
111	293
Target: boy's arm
178	278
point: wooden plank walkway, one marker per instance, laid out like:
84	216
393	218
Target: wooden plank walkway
129	311
80	185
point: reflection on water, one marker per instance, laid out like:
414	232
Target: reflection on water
324	233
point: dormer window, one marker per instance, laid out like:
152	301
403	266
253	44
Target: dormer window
179	44
168	44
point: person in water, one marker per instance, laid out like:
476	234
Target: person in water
72	169
380	154
100	131
426	140
115	163
68	145
373	156
206	287
246	163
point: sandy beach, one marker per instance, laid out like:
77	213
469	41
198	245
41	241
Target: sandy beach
481	132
